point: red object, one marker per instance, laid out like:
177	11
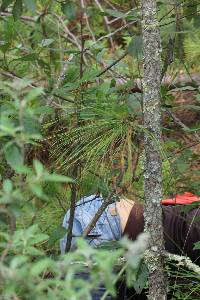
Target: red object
186	198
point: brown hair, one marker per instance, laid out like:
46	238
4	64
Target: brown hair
135	223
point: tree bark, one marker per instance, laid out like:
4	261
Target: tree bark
152	137
71	217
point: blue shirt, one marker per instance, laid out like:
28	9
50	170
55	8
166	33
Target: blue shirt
107	227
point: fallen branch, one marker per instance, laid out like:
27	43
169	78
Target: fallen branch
183	261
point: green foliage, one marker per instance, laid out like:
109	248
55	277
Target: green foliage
23	246
191	46
57	235
49	278
68	8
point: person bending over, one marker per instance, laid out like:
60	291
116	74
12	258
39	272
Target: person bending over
125	217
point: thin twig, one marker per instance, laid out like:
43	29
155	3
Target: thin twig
67	31
110	199
87	20
122	18
113	64
111	34
106	23
24	18
110	4
183	17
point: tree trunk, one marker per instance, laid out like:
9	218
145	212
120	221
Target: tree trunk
153	164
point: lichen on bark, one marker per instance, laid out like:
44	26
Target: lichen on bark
152	137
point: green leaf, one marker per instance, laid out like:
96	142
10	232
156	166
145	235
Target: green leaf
34	251
41	266
17	9
40	237
22	169
197	246
30	4
43	109
33	94
110	245
18	261
7	186
135	47
68	8
56	235
46	42
56	178
38	167
141	280
38	191
13	156
115	13
133	15
5	4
